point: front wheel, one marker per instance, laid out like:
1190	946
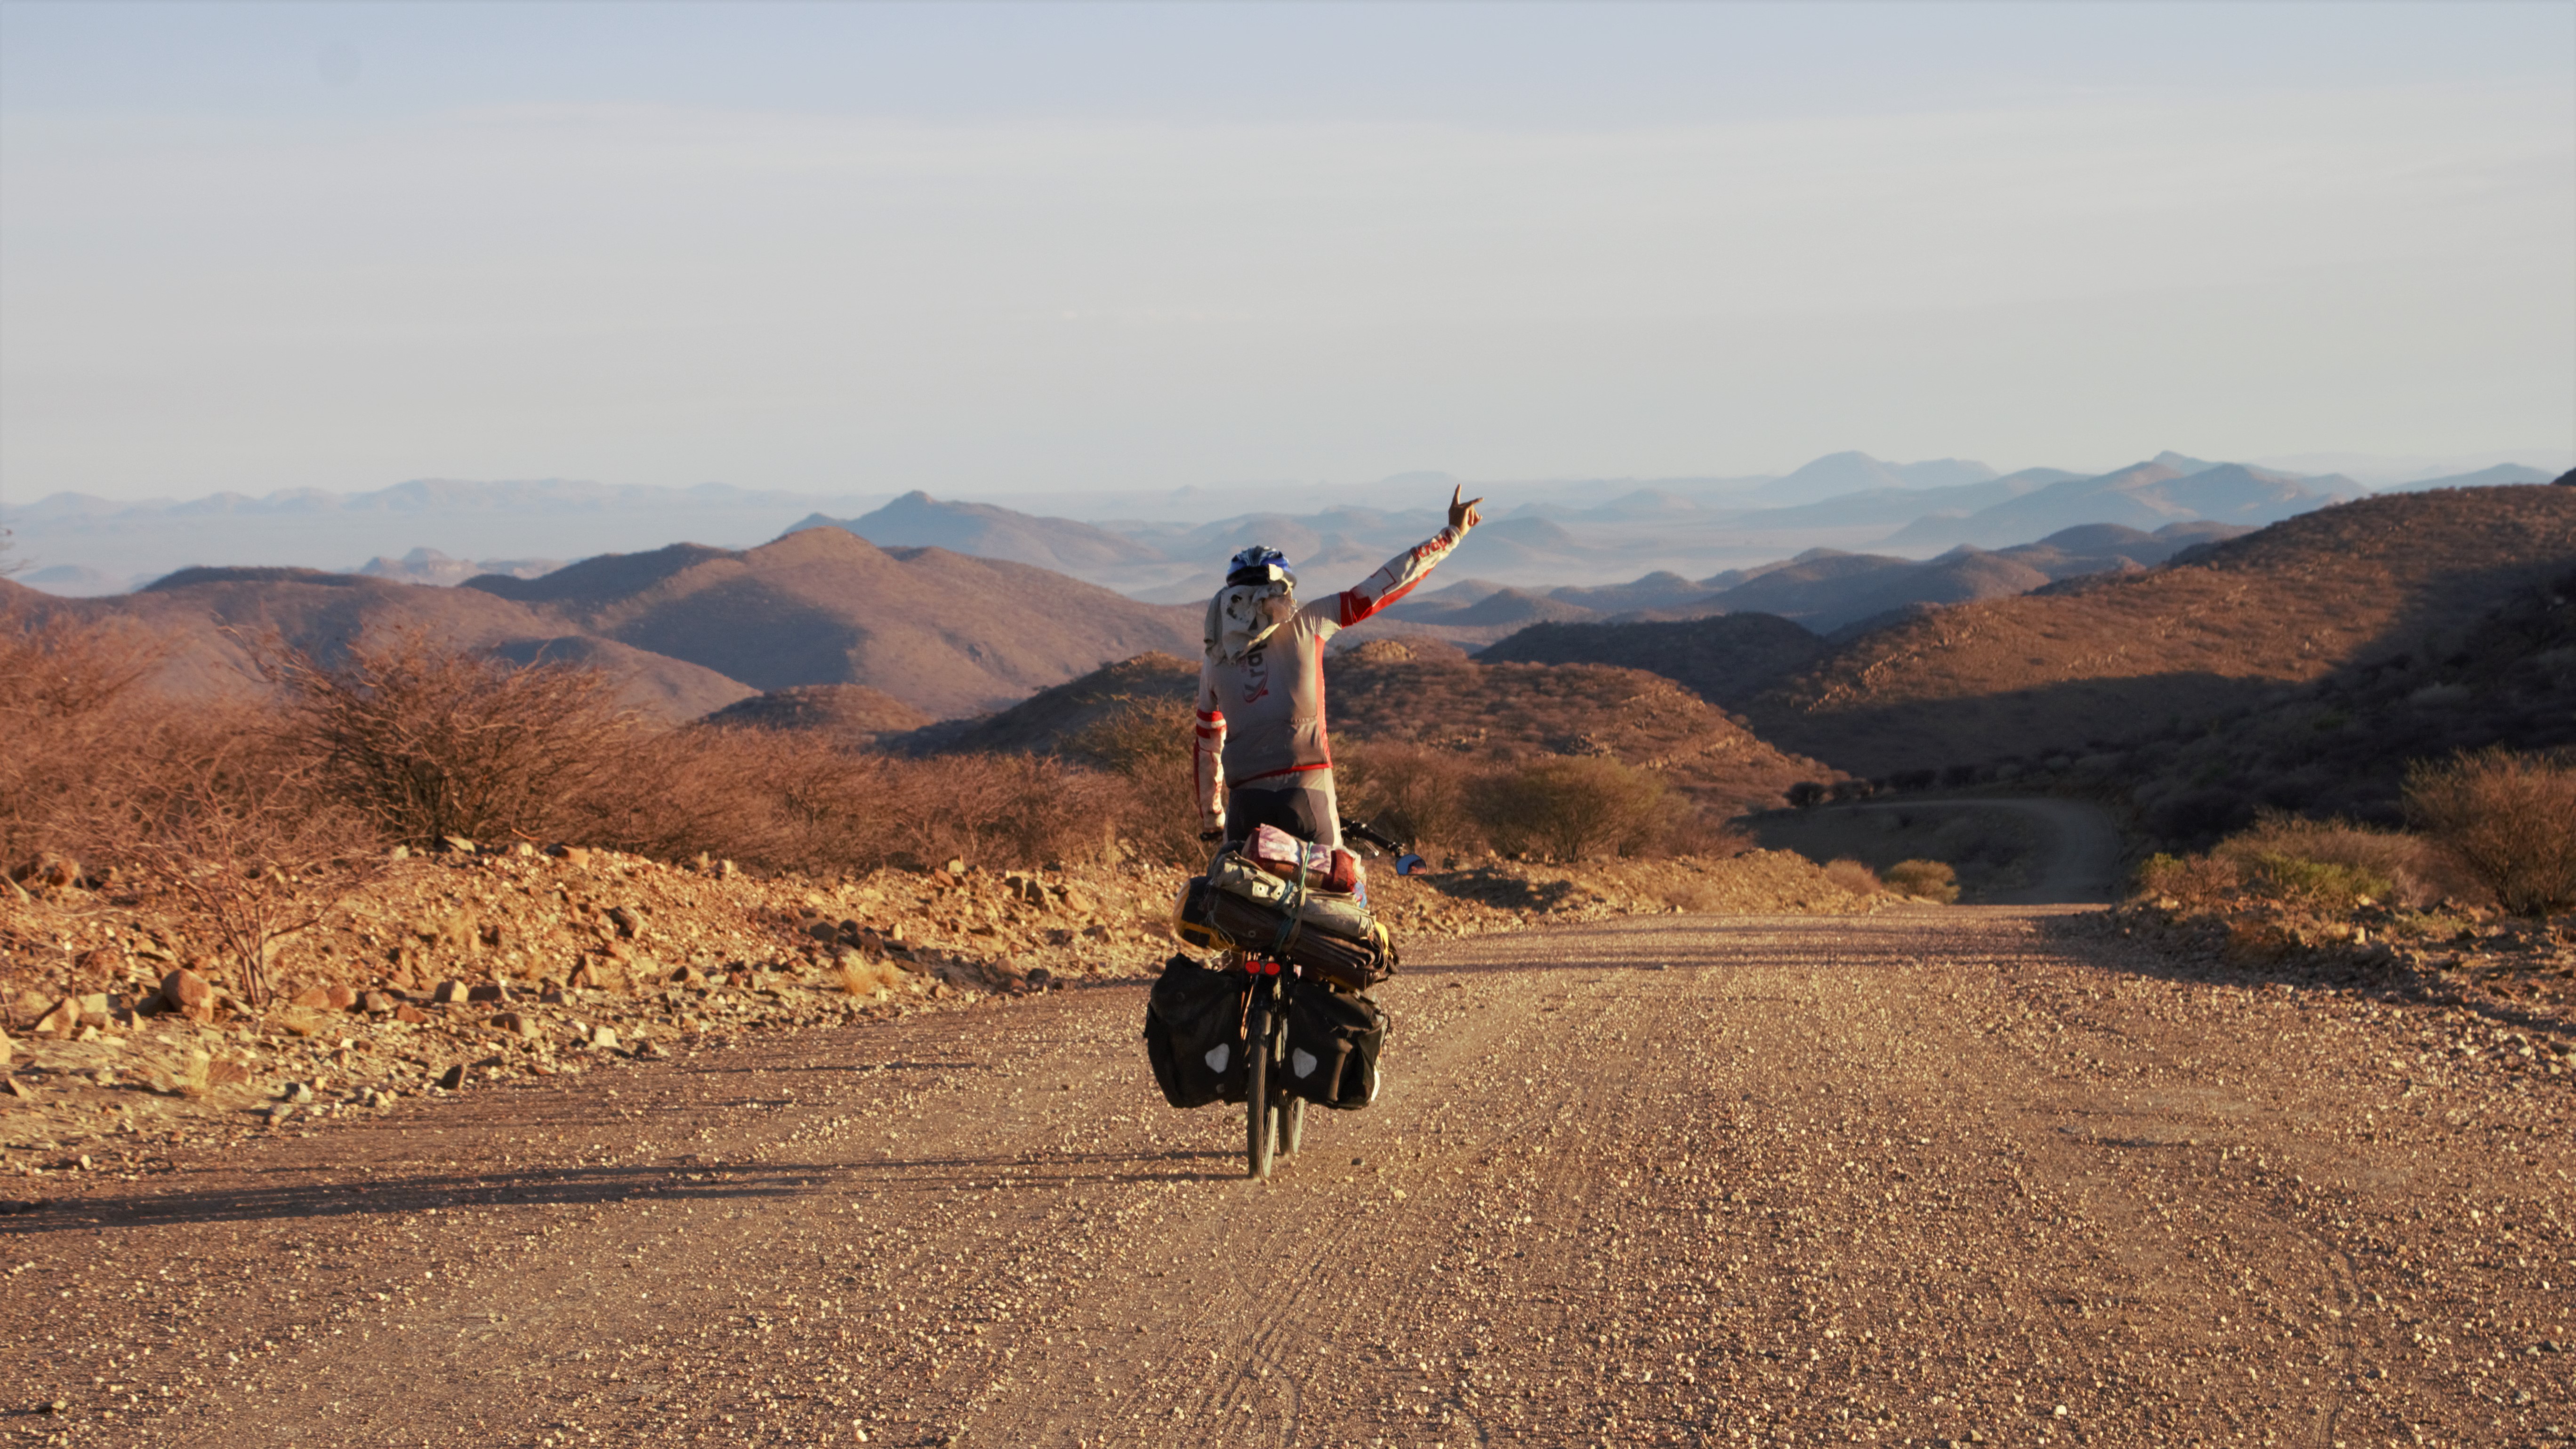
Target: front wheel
1292	1126
1260	1115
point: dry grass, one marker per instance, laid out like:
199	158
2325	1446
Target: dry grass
2508	819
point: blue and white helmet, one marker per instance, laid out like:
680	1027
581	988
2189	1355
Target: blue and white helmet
1260	564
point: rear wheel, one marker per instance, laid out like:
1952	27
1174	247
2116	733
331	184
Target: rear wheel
1260	1114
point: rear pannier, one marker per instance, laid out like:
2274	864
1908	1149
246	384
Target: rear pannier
1194	1033
1333	1043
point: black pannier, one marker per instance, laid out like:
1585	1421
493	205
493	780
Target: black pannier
1194	1033
1333	1043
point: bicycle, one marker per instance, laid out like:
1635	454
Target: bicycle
1274	1118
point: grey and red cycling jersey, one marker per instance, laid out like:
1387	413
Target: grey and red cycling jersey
1261	698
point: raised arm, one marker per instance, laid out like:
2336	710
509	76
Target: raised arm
1401	573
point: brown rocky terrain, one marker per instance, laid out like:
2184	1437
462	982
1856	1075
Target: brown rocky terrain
1721	658
2096	661
1393	692
467	969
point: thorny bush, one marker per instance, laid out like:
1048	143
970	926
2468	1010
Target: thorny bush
2508	819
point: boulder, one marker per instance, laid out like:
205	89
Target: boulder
378	1003
487	991
184	990
61	1021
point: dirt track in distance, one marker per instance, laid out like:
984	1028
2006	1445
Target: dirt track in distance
1935	1175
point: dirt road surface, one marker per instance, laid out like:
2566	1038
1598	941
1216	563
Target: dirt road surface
1949	1176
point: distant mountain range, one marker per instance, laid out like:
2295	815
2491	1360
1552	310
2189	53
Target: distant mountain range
1823	589
1549	534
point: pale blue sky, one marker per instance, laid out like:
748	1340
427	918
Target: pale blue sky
1002	249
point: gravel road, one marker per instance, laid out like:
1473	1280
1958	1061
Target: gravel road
1969	1175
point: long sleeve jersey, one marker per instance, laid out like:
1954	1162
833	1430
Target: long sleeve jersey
1261	716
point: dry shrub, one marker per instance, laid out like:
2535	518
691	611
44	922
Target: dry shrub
233	832
1423	797
2332	864
774	800
1931	880
788	801
1147	745
2190	880
2509	820
70	712
1570	809
1853	876
425	740
1001	810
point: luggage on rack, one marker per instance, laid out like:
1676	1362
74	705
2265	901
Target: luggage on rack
1334	1039
1236	874
1320	867
1194	1033
1267	931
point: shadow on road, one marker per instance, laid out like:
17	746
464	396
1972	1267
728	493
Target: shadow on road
2083	935
600	1186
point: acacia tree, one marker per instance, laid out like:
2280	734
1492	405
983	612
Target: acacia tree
424	740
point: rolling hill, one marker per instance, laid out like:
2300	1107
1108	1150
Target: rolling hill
208	615
942	632
2082	666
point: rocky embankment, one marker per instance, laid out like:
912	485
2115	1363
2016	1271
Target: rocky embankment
470	970
2505	985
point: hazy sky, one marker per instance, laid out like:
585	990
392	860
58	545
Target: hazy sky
995	248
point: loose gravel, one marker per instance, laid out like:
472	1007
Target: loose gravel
1925	1176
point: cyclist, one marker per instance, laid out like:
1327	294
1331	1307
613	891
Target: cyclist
1261	687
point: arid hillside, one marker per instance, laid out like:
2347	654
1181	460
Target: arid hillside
1394	693
851	713
2341	746
944	633
2089	663
208	620
1720	658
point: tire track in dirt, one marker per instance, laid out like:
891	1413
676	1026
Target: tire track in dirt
1922	1176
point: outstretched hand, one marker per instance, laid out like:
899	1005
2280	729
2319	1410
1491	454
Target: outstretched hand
1463	516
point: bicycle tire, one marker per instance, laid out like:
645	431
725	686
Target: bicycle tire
1260	1133
1292	1126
